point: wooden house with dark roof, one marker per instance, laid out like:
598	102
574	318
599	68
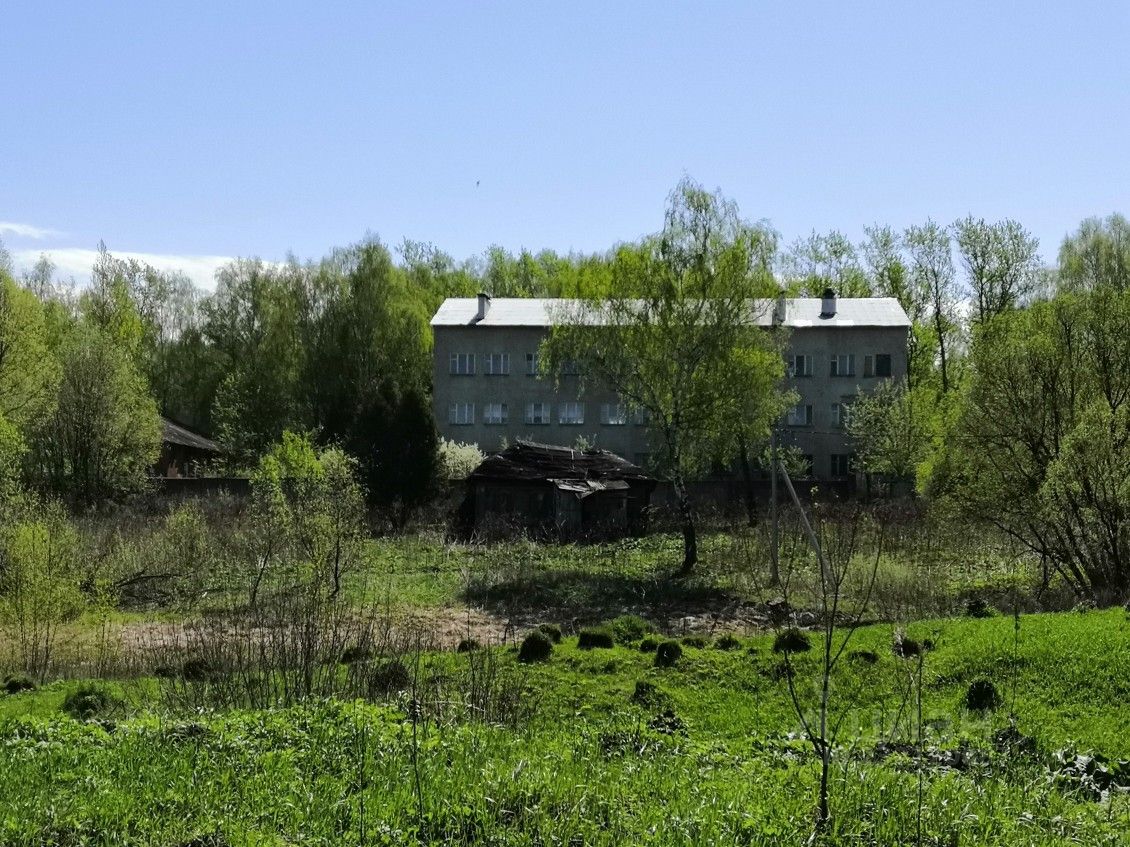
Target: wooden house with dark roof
183	452
557	492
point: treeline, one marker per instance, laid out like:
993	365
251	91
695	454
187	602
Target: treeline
1014	411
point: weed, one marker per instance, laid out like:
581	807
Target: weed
552	630
356	653
467	645
727	642
390	676
981	695
16	683
536	647
667	653
695	641
590	638
627	629
649	696
791	641
649	644
91	700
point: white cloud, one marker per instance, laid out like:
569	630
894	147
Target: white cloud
25	230
77	261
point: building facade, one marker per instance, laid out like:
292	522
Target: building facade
487	387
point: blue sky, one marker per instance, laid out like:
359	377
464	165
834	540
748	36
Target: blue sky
193	132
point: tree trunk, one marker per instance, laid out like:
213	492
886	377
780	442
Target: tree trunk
747	482
690	542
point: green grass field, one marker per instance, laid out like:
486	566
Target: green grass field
705	752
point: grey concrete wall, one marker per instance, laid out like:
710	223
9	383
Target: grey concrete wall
821	439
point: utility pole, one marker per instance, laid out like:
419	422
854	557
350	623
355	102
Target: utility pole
775	560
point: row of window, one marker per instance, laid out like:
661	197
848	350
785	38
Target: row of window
840	364
538	414
498	364
799	365
840	464
801	414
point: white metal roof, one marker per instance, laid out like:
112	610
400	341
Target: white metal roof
546	311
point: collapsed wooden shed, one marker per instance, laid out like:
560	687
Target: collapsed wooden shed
556	492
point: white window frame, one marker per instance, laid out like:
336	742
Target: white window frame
533	364
847	463
571	413
461	414
497	364
804	418
806	365
461	364
613	414
495	414
842	364
542	417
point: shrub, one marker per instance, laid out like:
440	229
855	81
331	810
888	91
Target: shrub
198	669
91	699
978	607
467	645
16	683
536	647
356	653
667	653
390	676
727	642
649	696
630	628
791	641
864	657
696	641
981	695
649	644
593	637
552	630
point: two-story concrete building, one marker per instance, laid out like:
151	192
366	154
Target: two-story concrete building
487	384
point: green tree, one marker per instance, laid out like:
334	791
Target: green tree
40	583
1001	263
29	372
1039	437
252	323
104	434
931	268
1097	256
826	261
890	429
679	337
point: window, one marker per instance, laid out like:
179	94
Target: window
840	411
841	464
843	365
799	365
570	368
571	413
495	413
882	364
461	413
463	364
613	414
537	413
498	364
800	416
641	417
532	364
